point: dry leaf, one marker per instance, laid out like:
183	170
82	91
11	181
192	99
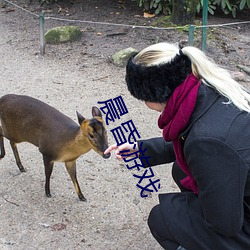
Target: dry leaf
147	15
58	227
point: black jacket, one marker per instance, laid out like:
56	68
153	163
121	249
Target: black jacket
216	145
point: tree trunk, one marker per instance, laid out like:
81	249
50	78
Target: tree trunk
183	11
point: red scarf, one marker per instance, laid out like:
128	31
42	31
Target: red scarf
174	119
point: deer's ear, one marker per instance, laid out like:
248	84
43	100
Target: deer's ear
80	118
96	112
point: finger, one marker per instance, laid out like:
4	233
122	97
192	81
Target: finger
110	148
125	146
118	154
119	157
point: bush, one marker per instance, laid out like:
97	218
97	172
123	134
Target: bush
232	6
156	6
165	6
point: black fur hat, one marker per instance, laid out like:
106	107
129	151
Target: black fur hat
156	83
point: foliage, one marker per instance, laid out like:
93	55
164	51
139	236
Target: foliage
157	6
244	4
231	6
211	7
227	6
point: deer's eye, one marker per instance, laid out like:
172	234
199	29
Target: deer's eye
91	136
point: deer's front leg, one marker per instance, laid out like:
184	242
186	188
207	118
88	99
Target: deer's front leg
71	168
48	165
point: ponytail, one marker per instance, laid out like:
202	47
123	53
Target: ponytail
218	78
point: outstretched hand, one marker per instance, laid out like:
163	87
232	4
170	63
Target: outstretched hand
126	146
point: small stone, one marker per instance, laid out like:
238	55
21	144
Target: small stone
44	225
63	34
121	58
136	201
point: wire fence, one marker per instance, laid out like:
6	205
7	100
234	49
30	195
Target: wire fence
191	28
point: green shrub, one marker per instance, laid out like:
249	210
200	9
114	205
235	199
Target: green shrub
211	7
157	6
232	6
227	6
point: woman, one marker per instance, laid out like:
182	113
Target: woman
205	118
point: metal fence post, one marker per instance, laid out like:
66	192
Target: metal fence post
42	31
191	35
204	24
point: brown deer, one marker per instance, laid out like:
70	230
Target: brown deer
59	138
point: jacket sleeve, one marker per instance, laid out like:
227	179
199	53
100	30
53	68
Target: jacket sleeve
220	173
158	150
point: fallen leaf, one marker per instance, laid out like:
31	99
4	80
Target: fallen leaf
147	15
58	227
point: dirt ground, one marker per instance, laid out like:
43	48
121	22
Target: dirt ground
75	76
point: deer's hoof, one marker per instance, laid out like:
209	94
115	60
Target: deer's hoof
48	195
82	198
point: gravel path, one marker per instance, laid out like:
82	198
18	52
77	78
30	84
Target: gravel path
74	77
115	216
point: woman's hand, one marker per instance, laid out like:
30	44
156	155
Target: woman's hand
131	148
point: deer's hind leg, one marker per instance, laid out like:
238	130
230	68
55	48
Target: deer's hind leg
15	151
1	144
71	168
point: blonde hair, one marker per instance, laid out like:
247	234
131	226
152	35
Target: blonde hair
203	68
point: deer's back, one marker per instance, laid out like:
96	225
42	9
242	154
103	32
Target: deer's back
24	118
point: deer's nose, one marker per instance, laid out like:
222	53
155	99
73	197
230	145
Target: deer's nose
106	156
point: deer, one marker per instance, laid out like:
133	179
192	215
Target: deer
58	138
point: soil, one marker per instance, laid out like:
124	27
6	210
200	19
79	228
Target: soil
75	76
